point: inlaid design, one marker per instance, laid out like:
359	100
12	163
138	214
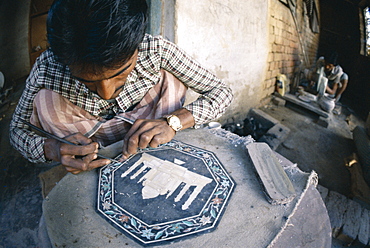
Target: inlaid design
164	194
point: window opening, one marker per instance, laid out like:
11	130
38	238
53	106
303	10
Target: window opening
312	15
367	29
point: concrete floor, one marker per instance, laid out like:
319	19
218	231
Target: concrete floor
318	148
20	191
311	146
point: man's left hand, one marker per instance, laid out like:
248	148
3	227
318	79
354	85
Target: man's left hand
152	133
144	133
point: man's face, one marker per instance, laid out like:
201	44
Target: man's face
329	66
110	83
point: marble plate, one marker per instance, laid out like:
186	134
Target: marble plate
164	194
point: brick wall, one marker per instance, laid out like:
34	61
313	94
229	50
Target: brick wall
286	40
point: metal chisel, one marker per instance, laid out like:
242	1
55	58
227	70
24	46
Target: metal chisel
52	136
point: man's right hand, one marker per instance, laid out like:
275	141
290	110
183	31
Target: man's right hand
75	158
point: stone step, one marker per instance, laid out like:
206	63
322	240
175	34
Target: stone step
349	220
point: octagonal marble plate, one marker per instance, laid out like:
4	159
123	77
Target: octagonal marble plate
164	194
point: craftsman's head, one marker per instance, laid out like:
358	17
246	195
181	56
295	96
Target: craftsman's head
329	66
331	62
97	39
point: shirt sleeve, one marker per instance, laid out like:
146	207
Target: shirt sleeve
28	143
215	96
335	74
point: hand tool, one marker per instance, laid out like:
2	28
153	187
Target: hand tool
52	136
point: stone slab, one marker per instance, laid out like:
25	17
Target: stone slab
351	219
359	188
323	121
275	136
295	234
312	106
277	185
265	119
278	101
364	232
336	205
362	143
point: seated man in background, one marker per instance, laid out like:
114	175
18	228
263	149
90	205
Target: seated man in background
336	88
103	80
328	77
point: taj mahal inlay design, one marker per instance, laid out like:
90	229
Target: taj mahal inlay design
164	194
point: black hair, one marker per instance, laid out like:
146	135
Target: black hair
333	59
96	34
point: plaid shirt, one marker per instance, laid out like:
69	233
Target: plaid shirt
155	53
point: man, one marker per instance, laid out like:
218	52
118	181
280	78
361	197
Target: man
103	80
328	77
337	82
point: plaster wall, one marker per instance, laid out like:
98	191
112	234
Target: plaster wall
229	38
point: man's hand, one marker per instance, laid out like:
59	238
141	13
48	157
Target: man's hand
153	133
144	133
75	158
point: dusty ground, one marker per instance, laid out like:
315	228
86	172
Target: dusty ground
311	146
318	148
20	192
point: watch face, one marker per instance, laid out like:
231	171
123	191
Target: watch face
175	123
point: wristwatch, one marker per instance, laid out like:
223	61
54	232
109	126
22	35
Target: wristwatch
174	122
